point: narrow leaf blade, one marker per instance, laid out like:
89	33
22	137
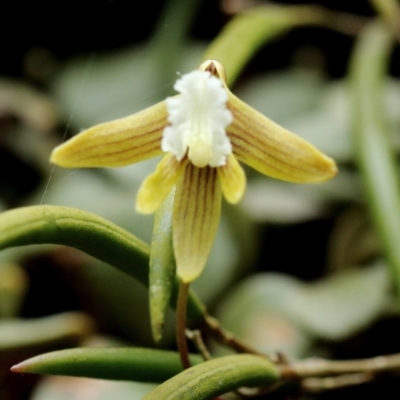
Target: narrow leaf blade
132	364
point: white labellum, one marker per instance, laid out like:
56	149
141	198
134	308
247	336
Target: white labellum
198	118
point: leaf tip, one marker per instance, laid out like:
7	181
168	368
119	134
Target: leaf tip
18	368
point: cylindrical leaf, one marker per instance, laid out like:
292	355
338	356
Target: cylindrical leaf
162	267
133	364
218	376
87	232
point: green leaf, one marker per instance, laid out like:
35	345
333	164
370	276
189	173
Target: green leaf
248	31
48	332
257	312
218	376
284	95
87	232
277	312
371	132
162	267
322	307
133	364
76	228
389	11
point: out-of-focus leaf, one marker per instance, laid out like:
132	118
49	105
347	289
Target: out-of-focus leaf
47	332
212	378
328	126
308	106
118	302
373	146
69	388
344	304
129	364
282	313
353	241
257	312
267	200
248	31
285	95
34	108
13	285
390	12
109	86
168	47
275	201
314	109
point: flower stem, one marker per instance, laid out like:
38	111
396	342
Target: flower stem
181	324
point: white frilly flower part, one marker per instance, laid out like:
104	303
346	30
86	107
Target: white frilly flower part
198	118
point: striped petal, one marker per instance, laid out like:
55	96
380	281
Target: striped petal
232	179
116	143
156	187
272	150
197	209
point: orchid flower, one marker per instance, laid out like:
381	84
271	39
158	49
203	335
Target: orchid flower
204	132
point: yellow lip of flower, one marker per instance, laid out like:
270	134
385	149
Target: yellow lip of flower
205	131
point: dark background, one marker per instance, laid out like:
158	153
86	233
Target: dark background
68	28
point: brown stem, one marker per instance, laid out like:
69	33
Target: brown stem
181	324
313	374
315	367
197	339
334	382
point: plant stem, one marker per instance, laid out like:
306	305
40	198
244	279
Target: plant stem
181	324
197	339
316	367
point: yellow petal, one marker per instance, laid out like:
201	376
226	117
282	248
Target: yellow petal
156	187
273	150
197	209
232	179
116	143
